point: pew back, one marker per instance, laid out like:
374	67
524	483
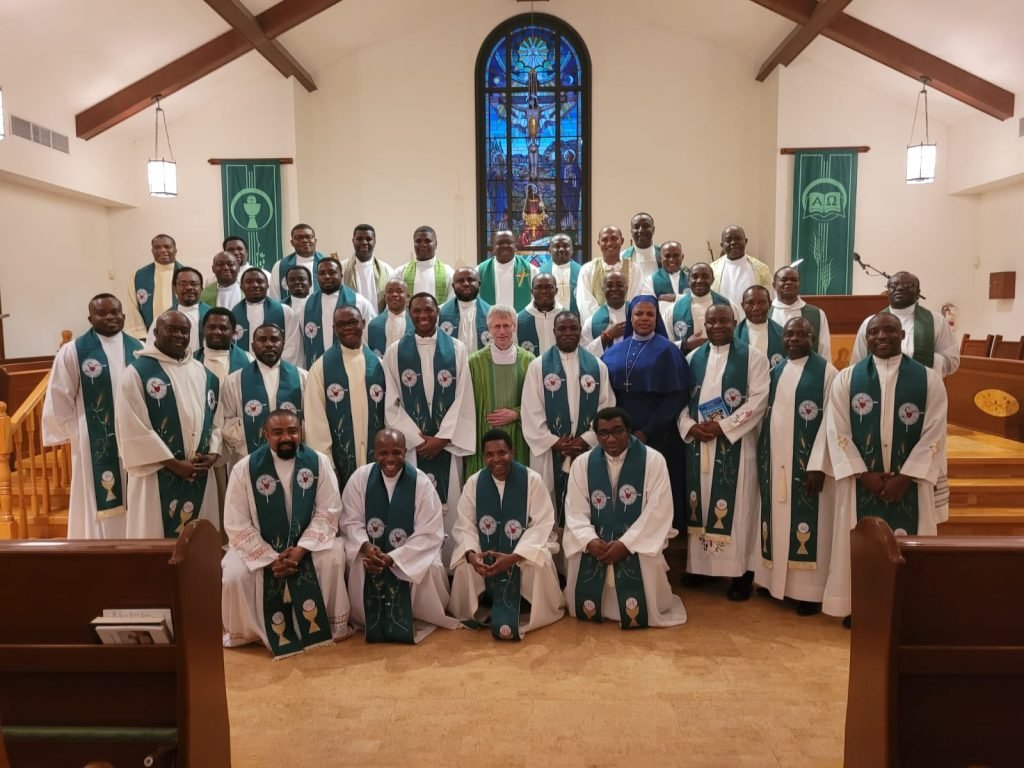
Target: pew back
54	673
937	651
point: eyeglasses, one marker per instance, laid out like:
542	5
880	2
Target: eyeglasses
897	286
604	434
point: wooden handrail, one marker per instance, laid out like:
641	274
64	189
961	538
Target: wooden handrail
35	398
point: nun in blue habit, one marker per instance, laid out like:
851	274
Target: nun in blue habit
651	379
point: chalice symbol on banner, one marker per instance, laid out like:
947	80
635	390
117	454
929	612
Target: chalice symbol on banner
107	483
277	624
632	610
252	207
309	610
803	535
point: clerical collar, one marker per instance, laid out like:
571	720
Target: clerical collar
278	457
347	352
361	262
645	337
165	267
756	325
721	347
466	304
256	303
568	355
616	459
905	312
424	265
188	307
425	340
648	251
700	299
399	313
391	482
150	350
503	356
335	292
567	265
210	352
887	363
265	368
780	304
533	309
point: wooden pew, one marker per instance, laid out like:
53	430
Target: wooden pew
937	651
1008	350
66	699
986	394
976	347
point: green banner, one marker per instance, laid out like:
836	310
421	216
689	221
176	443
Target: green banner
824	207
251	199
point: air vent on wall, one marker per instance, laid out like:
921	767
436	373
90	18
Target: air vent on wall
39	134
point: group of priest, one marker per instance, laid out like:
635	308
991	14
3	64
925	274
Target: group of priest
444	430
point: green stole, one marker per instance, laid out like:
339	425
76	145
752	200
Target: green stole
808	410
440	280
273	313
387	599
180	500
776	354
526	333
294	598
521	289
489	395
312	330
908	421
290	261
924	336
237	359
414	400
662	284
377	332
574	273
449	318
145	283
612	512
256	402
502	520
600	320
682	315
725	464
556	410
98	404
339	409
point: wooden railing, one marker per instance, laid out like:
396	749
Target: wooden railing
35	480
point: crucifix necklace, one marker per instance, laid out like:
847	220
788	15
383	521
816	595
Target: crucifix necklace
631	366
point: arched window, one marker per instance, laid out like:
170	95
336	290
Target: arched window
533	135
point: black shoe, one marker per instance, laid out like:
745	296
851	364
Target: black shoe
764	592
742	587
848	622
694	580
807	608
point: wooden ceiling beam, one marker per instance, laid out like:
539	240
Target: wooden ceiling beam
242	20
797	40
194	65
903	57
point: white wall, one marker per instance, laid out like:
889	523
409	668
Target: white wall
918	228
390	133
54	256
1000	250
984	151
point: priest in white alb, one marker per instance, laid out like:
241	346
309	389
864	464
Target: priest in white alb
797	495
887	444
426	273
393	529
535	325
502	546
429	399
393	322
736	270
284	571
787	304
505	277
591	280
79	409
720	426
169	434
618	519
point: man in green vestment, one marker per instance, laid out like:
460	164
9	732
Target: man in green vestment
498	372
224	291
506	277
426	273
151	288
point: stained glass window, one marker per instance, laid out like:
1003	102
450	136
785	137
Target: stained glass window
533	142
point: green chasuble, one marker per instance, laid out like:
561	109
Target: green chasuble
497	386
808	417
866	427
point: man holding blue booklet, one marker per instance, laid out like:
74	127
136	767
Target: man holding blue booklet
728	401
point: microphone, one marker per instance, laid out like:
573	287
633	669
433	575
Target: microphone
856	257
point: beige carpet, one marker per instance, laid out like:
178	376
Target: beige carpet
738	685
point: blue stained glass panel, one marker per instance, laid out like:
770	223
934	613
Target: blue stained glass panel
534	172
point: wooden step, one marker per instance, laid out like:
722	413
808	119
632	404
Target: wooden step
982	466
986	491
983	521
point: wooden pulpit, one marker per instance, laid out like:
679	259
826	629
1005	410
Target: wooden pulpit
845	314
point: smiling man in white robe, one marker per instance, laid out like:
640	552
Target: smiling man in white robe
426	273
79	409
429	399
169	434
590	284
887	444
391	521
284	571
535	325
258	308
720	425
502	546
787	304
797	496
618	518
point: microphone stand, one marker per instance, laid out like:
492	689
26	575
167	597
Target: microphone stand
875	271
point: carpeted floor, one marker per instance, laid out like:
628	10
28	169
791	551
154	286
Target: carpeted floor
738	685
